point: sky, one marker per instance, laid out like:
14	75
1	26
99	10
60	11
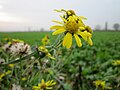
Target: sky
20	15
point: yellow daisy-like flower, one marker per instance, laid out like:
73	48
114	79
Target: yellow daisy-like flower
72	25
45	40
99	83
44	52
44	85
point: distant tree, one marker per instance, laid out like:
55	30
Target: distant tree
116	26
29	29
42	29
106	26
97	27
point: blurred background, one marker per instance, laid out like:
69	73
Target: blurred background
37	15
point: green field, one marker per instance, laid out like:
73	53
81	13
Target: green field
29	37
73	69
32	37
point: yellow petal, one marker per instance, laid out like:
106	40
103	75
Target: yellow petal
90	41
53	83
81	24
84	35
59	10
48	83
78	40
82	17
35	87
67	42
63	19
43	81
49	87
50	56
88	29
56	27
58	31
82	28
57	22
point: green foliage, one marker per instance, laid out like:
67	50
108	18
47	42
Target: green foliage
73	69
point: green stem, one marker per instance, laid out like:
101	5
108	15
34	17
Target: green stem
18	60
20	71
60	83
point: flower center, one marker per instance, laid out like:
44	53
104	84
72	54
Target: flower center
43	86
72	26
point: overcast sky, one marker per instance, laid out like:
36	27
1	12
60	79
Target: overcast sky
36	14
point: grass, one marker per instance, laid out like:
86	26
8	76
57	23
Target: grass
105	36
29	37
32	37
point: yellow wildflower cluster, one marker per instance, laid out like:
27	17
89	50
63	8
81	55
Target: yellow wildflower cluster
44	85
99	83
116	62
72	25
3	74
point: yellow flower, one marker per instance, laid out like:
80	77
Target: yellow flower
116	62
99	83
24	78
17	40
11	65
9	43
72	25
45	40
3	74
8	72
6	39
44	85
44	52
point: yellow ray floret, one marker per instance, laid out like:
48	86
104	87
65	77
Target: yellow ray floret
67	41
45	85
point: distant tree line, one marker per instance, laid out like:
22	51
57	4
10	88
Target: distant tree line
116	27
